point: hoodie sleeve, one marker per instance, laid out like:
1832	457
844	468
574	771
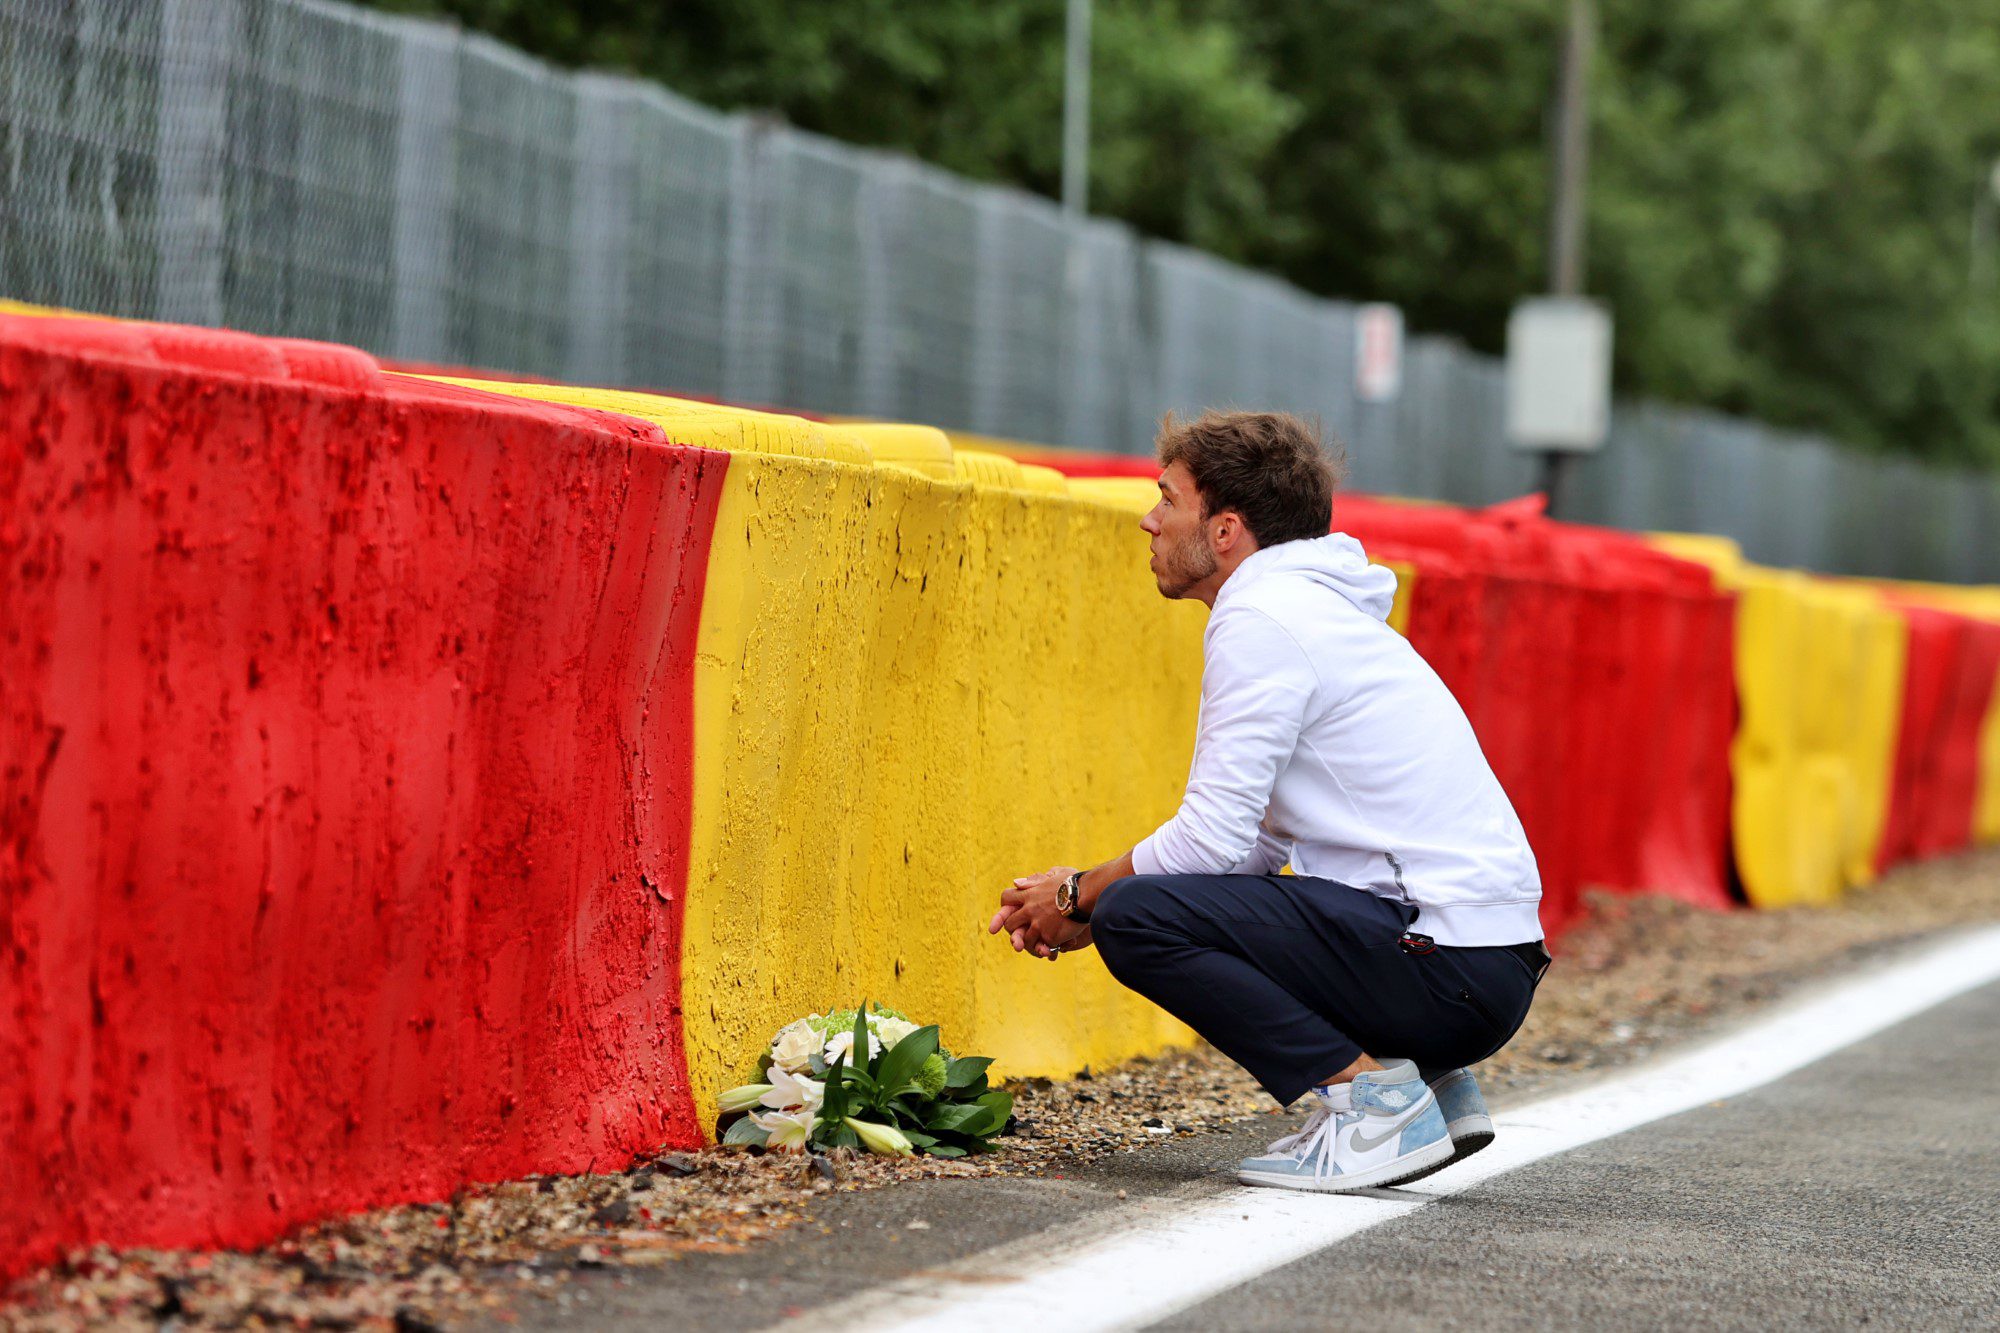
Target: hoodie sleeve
1256	692
1268	857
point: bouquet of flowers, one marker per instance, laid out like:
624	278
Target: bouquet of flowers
866	1078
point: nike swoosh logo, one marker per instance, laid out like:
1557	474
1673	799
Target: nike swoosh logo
1362	1143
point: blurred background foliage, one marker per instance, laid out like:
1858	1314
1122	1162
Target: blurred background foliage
1781	191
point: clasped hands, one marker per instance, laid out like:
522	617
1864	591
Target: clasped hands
1029	917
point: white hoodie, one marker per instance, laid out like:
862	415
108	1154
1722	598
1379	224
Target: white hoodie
1326	742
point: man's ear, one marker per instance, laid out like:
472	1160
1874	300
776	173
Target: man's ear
1229	531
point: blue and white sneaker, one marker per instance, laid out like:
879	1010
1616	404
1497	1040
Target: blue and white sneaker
1465	1116
1381	1129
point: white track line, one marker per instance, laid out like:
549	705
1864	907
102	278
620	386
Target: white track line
1156	1267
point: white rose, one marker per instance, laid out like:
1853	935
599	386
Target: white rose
793	1047
893	1030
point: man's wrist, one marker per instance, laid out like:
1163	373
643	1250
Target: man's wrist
1099	878
1069	899
1086	893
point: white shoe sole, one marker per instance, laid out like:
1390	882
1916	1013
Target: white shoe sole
1471	1133
1410	1165
1468	1135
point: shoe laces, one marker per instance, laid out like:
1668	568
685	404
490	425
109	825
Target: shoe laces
1317	1138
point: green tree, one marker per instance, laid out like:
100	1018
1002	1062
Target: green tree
1418	171
1780	189
1185	116
1780	214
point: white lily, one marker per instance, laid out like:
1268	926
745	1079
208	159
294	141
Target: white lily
743	1098
884	1139
791	1092
788	1129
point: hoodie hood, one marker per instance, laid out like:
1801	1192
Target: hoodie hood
1335	561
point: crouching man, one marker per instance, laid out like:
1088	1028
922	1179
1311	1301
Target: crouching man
1406	945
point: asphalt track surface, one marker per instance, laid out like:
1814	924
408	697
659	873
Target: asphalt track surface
1863	1190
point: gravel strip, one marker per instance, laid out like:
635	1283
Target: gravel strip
1640	973
1635	974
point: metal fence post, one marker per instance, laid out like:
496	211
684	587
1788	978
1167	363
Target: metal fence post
878	223
199	41
750	363
600	217
426	168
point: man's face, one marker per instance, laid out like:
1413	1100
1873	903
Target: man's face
1182	555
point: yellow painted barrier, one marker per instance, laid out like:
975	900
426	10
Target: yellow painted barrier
1406	590
1043	480
907	692
1986	810
925	450
1821	674
1985	603
984	469
1873	706
23	308
1819	678
1019	449
697	424
1723	556
1133	495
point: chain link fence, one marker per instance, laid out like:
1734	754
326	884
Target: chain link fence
303	168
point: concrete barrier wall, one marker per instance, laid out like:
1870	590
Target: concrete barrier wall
411	782
344	785
1986	814
1545	630
1791	753
1820	675
1981	746
911	688
1948	690
910	691
1823	672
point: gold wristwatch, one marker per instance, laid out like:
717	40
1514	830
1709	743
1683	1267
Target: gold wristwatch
1069	899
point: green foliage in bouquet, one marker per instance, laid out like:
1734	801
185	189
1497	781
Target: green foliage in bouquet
894	1099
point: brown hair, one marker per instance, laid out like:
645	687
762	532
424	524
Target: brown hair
1270	467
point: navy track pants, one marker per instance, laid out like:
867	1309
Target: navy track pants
1293	978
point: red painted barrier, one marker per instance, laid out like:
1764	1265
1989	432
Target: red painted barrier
1549	634
1949	681
344	786
1074	463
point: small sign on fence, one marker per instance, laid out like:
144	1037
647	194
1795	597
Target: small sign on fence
1559	375
1378	352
